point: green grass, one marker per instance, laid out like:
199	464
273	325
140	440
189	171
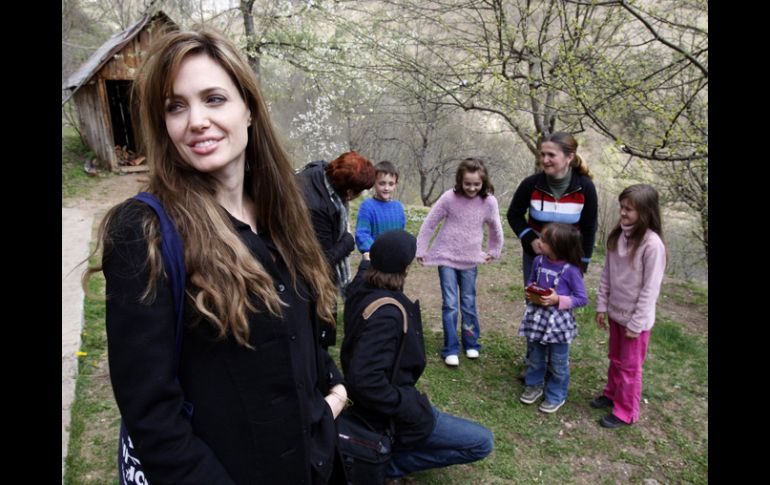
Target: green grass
687	292
569	446
669	444
92	457
75	181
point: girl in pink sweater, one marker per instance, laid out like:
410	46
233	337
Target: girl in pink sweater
629	288
457	250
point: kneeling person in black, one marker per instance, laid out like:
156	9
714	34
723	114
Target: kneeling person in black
424	437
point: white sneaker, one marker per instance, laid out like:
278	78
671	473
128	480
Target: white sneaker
452	360
472	353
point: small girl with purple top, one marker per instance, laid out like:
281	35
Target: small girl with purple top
549	322
457	250
629	288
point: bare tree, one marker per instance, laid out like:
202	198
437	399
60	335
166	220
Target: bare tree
558	64
280	27
636	72
647	90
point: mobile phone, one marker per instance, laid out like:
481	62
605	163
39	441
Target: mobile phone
538	290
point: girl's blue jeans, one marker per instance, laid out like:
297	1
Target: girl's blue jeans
465	280
553	358
454	440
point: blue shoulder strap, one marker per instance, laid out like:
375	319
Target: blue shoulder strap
173	261
172	252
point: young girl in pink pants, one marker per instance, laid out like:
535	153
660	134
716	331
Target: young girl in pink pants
629	288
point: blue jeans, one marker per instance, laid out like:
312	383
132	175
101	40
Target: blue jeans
465	279
553	358
453	441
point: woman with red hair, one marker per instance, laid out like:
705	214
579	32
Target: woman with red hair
327	188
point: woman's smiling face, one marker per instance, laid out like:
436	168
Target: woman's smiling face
555	161
206	118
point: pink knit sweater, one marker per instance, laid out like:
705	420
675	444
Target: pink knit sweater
629	289
459	241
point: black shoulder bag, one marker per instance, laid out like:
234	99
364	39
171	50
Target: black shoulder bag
130	469
365	451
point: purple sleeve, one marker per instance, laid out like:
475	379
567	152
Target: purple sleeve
572	285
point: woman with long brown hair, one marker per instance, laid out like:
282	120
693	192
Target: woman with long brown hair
265	394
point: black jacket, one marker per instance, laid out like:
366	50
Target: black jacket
324	215
534	191
259	414
368	354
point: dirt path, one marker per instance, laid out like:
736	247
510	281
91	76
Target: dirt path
76	232
107	192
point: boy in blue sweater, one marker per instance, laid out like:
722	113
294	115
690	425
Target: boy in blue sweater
380	213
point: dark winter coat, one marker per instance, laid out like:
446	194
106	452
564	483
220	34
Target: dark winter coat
324	215
259	413
368	354
533	199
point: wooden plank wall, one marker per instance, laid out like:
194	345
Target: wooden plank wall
94	126
123	65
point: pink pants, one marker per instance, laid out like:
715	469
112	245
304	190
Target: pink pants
624	376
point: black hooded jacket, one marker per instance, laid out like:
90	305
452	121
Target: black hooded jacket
368	354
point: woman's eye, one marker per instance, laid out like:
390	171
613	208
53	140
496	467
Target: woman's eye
173	107
216	99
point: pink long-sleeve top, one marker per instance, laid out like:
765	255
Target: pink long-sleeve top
628	290
459	243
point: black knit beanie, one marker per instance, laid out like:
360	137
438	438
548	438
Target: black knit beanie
392	251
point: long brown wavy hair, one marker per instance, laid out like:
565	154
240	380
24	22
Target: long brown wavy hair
222	272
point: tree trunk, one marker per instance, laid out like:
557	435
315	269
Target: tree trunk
423	189
252	43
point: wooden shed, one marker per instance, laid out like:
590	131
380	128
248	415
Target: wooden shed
101	88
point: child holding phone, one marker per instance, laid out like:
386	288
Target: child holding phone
555	288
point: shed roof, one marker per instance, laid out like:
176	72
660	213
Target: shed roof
104	53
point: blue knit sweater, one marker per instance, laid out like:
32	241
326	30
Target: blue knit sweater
376	217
